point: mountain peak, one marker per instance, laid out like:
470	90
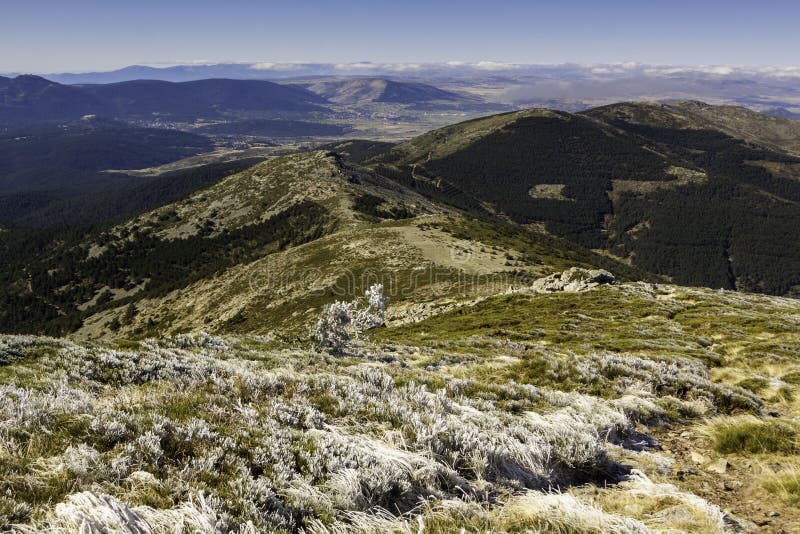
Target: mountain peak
634	179
371	89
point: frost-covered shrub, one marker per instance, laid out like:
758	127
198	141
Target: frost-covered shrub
200	340
332	332
665	507
15	348
80	460
145	450
374	313
679	377
342	321
311	441
88	512
111	427
35	411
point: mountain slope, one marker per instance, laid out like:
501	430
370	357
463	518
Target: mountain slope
130	196
645	182
374	230
364	90
32	98
265	248
768	131
68	157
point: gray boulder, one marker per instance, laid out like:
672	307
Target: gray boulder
574	279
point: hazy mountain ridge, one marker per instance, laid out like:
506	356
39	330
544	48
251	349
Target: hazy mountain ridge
31	97
571	87
70	155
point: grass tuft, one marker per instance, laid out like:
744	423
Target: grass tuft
749	434
785	485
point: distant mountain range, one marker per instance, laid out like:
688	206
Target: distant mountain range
271	70
278	70
29	98
570	87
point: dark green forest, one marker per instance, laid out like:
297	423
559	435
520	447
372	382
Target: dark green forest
69	158
41	289
45	209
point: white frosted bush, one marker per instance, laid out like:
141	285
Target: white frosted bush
562	512
80	460
342	321
641	487
374	313
88	512
112	426
145	450
331	331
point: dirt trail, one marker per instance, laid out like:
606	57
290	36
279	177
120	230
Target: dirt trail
736	490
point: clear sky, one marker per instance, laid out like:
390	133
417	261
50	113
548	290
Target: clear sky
79	35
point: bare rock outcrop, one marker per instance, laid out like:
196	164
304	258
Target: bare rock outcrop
574	279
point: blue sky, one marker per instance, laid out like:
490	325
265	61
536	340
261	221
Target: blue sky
80	35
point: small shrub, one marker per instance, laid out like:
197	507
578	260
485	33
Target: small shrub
754	384
342	321
331	332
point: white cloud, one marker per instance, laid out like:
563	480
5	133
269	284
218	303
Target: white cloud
277	66
599	71
356	66
494	65
404	67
